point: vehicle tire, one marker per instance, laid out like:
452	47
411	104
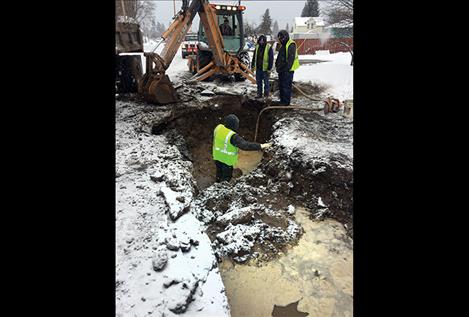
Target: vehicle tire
203	58
128	73
244	58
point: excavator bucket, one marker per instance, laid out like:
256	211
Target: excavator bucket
161	91
156	86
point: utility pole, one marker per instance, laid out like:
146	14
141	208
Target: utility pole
174	6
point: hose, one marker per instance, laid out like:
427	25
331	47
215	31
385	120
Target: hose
304	94
282	107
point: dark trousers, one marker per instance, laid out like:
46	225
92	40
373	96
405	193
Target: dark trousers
224	172
285	81
262	77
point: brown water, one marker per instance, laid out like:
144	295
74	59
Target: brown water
248	160
317	273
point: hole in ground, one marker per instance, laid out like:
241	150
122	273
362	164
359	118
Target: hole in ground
196	127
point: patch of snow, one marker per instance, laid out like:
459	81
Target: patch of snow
146	165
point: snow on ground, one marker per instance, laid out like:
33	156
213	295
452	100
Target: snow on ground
164	267
336	73
317	140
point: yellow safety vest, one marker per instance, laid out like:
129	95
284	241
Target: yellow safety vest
296	62
222	149
265	62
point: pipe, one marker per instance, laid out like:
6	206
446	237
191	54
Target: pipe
281	107
304	94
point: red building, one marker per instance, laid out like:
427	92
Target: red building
309	46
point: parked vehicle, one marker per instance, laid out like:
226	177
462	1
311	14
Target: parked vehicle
189	46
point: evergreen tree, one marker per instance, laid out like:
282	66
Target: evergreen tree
311	9
275	28
266	25
250	29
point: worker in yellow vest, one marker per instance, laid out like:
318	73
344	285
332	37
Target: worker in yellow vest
286	64
226	142
262	62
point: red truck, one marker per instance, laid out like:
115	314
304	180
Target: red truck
189	46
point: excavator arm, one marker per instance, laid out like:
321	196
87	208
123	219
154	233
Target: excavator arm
155	85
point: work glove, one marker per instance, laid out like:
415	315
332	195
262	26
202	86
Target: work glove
266	145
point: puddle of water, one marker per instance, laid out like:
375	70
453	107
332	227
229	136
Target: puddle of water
248	160
318	273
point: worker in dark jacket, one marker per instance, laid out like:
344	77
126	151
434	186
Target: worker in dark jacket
225	28
226	142
262	62
286	64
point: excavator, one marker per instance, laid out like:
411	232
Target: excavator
222	55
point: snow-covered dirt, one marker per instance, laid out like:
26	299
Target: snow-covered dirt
164	261
173	224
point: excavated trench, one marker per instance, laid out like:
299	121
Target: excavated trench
307	273
190	129
196	129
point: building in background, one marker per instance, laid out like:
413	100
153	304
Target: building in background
311	34
308	25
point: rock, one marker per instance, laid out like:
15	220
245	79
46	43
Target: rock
184	243
159	260
167	283
157	177
179	304
185	247
172	244
176	208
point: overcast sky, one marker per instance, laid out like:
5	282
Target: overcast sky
284	11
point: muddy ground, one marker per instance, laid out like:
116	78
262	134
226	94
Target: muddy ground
252	216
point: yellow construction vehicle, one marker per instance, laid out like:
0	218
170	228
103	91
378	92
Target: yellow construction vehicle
221	57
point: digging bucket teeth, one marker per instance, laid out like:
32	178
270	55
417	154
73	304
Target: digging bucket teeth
156	86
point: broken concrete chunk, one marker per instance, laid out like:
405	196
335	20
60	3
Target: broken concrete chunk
185	247
185	293
176	207
172	244
157	177
159	260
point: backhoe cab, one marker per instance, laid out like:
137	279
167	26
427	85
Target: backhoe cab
230	22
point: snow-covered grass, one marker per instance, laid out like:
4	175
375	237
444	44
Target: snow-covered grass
335	72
